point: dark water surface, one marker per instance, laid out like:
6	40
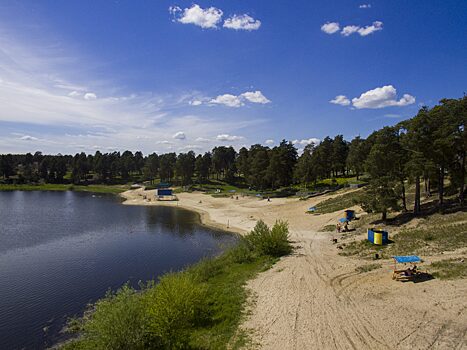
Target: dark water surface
62	250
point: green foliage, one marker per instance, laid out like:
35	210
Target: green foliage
176	305
117	322
449	269
273	242
199	308
337	203
60	187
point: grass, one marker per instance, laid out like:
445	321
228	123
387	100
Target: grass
337	203
368	268
198	308
449	269
66	187
433	235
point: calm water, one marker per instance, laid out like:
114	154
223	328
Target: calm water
62	250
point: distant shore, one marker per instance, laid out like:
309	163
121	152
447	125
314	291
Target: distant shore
115	189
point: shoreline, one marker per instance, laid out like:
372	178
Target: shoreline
316	296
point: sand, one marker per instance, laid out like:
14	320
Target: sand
315	299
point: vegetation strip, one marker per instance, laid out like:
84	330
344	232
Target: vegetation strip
198	308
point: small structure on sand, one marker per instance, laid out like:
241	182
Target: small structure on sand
378	236
407	273
164	192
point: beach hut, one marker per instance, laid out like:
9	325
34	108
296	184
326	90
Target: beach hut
378	236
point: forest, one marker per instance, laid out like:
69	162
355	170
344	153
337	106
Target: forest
428	149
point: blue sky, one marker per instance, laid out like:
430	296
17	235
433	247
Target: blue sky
177	75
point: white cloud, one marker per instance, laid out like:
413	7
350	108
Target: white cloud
376	26
196	103
349	30
179	135
330	27
341	100
163	142
255	97
363	31
227	137
201	139
28	138
228	100
381	97
242	22
305	142
365	6
90	96
269	142
204	18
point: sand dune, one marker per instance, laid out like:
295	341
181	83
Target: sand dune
314	299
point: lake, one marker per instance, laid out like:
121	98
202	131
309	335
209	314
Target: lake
60	251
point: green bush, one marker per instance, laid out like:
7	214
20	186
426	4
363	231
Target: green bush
176	305
117	322
273	242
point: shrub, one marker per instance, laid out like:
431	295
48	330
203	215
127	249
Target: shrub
117	322
176	305
273	242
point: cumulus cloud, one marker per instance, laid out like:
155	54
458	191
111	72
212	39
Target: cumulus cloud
376	26
333	27
180	135
204	18
340	100
227	137
255	97
381	97
230	100
305	142
330	27
365	6
349	30
90	96
269	142
242	22
201	139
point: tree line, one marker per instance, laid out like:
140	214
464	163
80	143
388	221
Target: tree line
428	148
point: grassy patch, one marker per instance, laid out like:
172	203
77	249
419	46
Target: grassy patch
337	203
367	268
198	308
65	187
449	269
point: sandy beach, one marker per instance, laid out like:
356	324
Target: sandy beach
315	299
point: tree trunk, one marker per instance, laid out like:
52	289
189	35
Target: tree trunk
404	202
462	184
416	207
385	215
427	187
441	186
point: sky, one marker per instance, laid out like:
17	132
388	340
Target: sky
172	76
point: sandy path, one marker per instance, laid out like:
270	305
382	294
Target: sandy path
314	299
